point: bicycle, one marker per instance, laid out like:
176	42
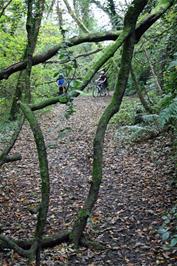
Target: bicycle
100	90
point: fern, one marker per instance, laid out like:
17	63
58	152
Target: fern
169	114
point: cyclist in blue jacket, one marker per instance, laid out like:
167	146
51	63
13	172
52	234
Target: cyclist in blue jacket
62	84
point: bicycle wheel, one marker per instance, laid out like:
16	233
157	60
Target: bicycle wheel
96	91
103	91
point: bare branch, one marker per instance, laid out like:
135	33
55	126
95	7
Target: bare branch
4	8
74	58
94	37
75	17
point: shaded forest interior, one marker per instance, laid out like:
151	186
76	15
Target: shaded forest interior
88	132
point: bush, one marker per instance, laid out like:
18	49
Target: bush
127	112
168	230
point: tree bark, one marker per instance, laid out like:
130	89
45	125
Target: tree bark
129	26
111	49
47	242
45	189
54	100
75	17
12	158
33	23
140	95
12	141
94	37
60	18
23	82
44	173
98	147
159	89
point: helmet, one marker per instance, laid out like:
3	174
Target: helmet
61	76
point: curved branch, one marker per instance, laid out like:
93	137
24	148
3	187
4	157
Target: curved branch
12	141
128	48
74	16
61	99
141	27
44	173
12	158
95	37
140	94
10	243
4	8
47	242
74	58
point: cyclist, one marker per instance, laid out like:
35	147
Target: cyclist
102	81
62	84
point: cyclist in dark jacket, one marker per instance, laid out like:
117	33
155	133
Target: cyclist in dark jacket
102	80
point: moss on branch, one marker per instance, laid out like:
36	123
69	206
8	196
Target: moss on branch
128	48
43	165
141	27
61	99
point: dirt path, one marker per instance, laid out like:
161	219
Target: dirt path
134	193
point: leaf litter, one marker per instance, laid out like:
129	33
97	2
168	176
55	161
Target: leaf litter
134	193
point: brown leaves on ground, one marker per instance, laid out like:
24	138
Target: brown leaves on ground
134	193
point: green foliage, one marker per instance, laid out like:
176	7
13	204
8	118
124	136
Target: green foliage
70	110
127	112
169	114
168	230
6	130
49	35
84	213
74	84
170	76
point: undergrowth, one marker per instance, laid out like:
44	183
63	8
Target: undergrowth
129	107
168	230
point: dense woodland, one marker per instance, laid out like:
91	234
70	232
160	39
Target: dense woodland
85	178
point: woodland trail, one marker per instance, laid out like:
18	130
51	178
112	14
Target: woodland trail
134	193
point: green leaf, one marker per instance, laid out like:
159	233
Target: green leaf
173	64
173	242
165	236
55	74
162	230
75	83
166	247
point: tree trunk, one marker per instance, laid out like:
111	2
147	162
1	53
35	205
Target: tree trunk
60	19
45	189
75	17
98	150
44	173
159	89
14	111
140	95
94	37
128	47
32	26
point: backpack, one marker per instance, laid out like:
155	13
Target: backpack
60	82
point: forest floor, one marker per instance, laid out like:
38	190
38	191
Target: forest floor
134	194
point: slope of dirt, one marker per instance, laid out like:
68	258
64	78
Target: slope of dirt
134	194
